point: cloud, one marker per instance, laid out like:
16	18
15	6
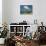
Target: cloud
26	7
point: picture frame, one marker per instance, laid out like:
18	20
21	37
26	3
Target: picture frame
25	9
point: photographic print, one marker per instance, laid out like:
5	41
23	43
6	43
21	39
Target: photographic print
25	9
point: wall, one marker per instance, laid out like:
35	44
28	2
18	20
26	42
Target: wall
0	13
4	11
16	17
12	11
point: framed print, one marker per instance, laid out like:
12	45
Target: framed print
25	9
